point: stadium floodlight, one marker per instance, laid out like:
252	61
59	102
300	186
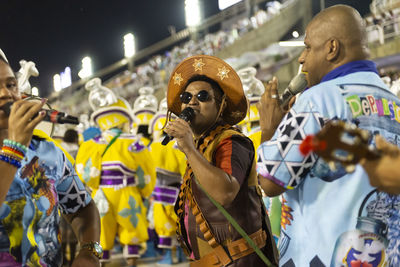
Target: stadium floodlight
129	45
86	70
66	77
222	4
35	91
192	13
291	43
57	82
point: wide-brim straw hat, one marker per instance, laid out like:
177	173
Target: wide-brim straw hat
217	70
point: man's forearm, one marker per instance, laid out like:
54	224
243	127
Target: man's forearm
8	171
86	223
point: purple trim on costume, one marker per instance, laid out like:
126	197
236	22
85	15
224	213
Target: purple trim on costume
124	113
155	119
97	138
6	260
136	146
106	254
117	181
107	165
166	190
152	234
144	111
133	249
165	241
273	179
112	173
164	199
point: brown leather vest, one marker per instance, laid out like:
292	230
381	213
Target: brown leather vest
246	209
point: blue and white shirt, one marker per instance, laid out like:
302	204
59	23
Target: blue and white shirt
29	217
320	205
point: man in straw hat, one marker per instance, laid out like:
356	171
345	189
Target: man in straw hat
221	168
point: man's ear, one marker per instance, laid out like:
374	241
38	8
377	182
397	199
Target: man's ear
332	47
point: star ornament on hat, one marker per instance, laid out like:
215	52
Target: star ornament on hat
217	70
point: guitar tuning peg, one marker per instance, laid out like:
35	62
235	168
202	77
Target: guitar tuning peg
332	165
350	168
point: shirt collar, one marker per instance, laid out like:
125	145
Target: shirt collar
351	67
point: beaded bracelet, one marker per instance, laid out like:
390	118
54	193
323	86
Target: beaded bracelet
14	152
10	160
10	155
15	145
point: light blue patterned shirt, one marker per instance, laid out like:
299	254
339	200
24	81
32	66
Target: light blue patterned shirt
29	217
319	204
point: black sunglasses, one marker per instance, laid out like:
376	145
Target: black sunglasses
202	96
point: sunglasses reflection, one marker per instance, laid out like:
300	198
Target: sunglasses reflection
202	96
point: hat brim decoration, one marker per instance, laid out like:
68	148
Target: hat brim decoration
113	115
157	122
216	69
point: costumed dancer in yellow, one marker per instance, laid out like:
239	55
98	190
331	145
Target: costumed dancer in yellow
144	108
118	167
253	89
170	165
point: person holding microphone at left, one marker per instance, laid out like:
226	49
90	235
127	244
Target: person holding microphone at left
38	178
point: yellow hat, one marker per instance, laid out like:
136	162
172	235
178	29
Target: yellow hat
217	70
113	115
145	106
253	114
156	125
109	110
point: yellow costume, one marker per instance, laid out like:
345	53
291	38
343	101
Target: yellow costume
119	169
170	166
144	108
126	175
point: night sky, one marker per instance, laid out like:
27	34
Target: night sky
59	33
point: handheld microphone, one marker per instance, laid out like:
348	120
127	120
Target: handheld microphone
296	85
52	115
187	115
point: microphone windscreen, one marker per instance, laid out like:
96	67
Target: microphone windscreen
298	83
187	114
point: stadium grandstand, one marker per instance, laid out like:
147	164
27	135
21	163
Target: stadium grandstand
245	34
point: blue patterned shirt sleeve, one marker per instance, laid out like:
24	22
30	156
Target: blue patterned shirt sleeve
72	193
280	159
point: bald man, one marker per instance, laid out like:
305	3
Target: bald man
320	205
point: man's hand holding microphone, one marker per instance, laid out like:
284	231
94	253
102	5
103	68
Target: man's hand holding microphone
23	118
272	107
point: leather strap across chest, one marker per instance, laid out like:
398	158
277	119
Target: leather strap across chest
187	195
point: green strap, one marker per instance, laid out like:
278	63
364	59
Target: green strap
111	142
237	227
